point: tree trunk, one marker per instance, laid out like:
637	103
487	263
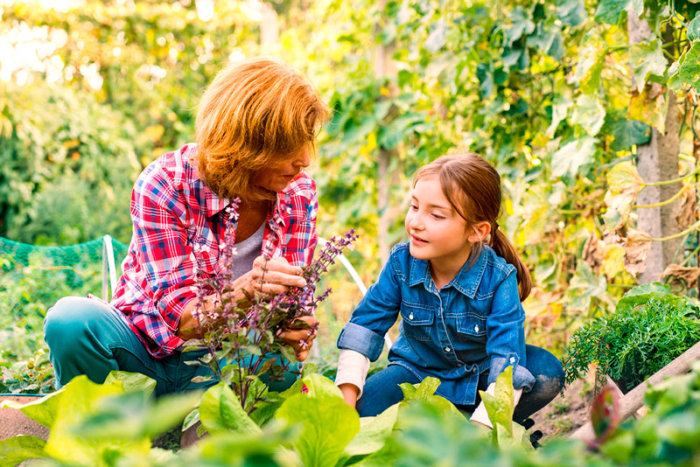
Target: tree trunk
657	160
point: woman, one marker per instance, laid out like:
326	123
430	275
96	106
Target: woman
255	130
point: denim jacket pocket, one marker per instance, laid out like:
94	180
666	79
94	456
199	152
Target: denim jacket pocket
417	320
471	325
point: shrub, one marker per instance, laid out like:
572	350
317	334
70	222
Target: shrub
649	328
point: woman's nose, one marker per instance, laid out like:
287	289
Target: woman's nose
303	159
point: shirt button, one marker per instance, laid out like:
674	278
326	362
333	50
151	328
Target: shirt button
476	328
447	349
410	316
512	359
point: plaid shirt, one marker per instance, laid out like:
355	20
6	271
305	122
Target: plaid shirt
172	212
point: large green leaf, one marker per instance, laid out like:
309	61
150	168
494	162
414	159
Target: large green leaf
220	411
627	133
42	411
328	423
646	59
572	156
609	11
589	113
694	28
15	450
81	398
571	12
132	381
689	67
373	432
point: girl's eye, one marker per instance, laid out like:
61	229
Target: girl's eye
438	216
414	207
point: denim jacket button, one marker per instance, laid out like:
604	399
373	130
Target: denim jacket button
476	328
512	359
410	316
447	349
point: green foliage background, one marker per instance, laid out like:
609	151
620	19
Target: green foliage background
551	92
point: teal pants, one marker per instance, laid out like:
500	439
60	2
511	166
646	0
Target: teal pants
87	337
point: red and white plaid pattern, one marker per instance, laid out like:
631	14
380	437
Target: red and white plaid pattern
172	212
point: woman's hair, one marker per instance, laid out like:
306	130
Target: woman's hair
473	188
254	114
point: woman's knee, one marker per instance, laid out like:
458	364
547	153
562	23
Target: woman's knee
69	319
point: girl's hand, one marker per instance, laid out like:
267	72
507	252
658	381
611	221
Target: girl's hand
269	277
301	339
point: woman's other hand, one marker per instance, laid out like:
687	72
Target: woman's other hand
301	339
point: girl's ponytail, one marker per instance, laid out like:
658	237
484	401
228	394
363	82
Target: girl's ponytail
503	248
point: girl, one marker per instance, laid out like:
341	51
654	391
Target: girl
457	284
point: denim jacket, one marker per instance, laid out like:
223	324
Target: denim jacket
473	324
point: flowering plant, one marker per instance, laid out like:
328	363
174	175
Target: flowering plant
240	340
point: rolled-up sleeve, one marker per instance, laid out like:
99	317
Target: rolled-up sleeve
505	343
375	314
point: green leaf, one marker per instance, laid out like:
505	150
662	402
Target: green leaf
589	113
500	406
654	287
81	398
605	413
689	67
609	11
572	156
220	411
328	423
42	410
571	12
627	133
521	24
694	28
15	450
132	381
560	108
589	66
436	38
373	432
646	59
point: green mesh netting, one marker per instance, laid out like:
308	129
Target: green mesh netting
33	278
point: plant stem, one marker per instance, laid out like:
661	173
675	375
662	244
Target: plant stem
678	235
662	203
675	180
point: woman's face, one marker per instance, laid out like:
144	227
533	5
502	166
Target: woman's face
276	177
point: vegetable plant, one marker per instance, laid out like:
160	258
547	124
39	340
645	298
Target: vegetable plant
649	328
243	345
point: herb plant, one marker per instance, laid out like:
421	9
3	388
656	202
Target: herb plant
243	345
649	328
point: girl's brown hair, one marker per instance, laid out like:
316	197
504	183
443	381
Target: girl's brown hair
473	188
253	115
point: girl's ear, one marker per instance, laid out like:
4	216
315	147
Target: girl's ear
480	231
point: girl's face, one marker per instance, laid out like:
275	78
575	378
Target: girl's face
437	233
276	177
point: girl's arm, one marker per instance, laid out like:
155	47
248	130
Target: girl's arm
505	343
362	339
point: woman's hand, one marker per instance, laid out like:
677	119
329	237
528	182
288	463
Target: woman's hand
301	339
269	277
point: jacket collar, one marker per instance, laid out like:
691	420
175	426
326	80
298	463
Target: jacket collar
466	281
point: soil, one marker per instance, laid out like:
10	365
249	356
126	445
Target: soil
15	423
568	411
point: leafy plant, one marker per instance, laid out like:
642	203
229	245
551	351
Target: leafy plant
649	328
243	344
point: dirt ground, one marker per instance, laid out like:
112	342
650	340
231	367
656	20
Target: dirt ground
568	411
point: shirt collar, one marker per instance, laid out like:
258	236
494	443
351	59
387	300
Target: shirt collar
466	281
